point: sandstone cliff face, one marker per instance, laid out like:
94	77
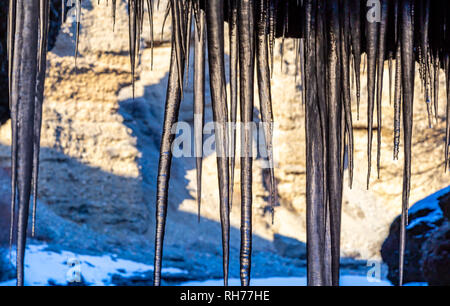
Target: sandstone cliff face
100	153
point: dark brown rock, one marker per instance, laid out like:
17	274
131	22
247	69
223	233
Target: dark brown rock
444	204
436	257
425	217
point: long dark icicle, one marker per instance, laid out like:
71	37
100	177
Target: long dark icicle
215	30
78	23
196	10
390	56
424	26
44	15
447	115
113	12
63	11
265	95
23	98
188	31
302	68
372	28
272	29
334	178
199	99
355	27
180	46
150	21
436	85
234	57
13	111
315	199
296	60
345	71
132	28
397	100
323	37
321	79
246	66
380	71
173	99
166	15
407	46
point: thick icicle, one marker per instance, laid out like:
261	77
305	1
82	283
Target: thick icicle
355	25
132	28
246	66
199	100
315	199
397	100
372	28
78	23
173	99
234	60
334	140
13	111
407	48
23	99
380	72
44	14
265	95
215	30
344	58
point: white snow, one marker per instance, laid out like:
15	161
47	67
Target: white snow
46	267
430	203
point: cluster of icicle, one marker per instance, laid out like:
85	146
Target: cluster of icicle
330	37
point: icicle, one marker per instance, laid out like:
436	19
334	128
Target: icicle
407	48
44	15
397	100
380	63
355	25
334	140
23	87
345	55
150	21
372	44
315	172
265	93
78	22
215	30
199	100
234	59
246	66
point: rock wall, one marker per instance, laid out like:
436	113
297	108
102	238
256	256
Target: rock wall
100	153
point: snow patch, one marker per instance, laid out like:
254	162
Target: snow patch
47	267
429	203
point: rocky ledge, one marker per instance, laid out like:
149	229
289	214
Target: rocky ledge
427	254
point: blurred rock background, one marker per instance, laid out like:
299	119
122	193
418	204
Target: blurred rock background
100	149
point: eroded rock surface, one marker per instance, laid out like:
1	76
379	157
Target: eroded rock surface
425	241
